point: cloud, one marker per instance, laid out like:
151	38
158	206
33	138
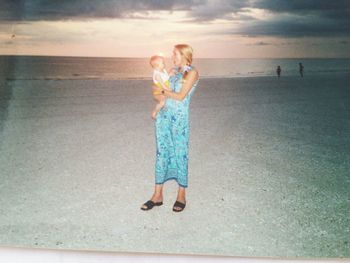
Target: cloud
11	10
300	18
302	6
206	11
34	10
286	19
8	42
290	18
295	26
260	43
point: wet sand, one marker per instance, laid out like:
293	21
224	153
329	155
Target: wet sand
269	164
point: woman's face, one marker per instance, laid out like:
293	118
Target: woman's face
178	59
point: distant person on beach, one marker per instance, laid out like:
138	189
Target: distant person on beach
160	79
278	71
301	70
172	129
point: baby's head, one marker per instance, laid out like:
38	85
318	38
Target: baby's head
157	62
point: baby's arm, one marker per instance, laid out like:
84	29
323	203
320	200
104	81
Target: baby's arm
159	79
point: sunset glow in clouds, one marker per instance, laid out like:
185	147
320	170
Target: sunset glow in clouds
251	29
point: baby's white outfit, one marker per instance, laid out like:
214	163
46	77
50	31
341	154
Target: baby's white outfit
163	76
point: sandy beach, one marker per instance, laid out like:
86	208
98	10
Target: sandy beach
269	164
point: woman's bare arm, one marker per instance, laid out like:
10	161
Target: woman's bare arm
191	78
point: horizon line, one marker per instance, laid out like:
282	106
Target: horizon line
68	56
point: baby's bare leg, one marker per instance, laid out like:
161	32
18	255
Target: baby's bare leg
159	105
158	97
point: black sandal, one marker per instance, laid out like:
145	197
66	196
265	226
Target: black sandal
179	204
150	204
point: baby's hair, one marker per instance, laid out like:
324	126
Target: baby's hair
154	58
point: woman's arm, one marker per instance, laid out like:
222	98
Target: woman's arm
190	79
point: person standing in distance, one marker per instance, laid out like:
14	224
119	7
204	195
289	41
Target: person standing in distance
278	70
301	70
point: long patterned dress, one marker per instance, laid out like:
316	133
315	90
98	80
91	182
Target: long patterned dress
172	136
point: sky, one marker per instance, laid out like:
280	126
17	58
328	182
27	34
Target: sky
214	28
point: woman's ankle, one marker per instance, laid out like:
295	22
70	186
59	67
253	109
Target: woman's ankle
157	195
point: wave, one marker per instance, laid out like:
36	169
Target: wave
78	76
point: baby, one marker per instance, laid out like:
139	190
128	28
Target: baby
160	79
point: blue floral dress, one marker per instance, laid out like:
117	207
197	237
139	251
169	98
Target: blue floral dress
172	136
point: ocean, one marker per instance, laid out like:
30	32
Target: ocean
57	68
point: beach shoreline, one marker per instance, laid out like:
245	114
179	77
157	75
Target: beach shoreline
50	67
238	76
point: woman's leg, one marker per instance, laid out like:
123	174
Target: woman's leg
181	197
157	195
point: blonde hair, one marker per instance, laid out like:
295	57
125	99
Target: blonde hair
153	59
186	51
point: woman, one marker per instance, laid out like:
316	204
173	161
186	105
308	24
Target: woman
172	130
